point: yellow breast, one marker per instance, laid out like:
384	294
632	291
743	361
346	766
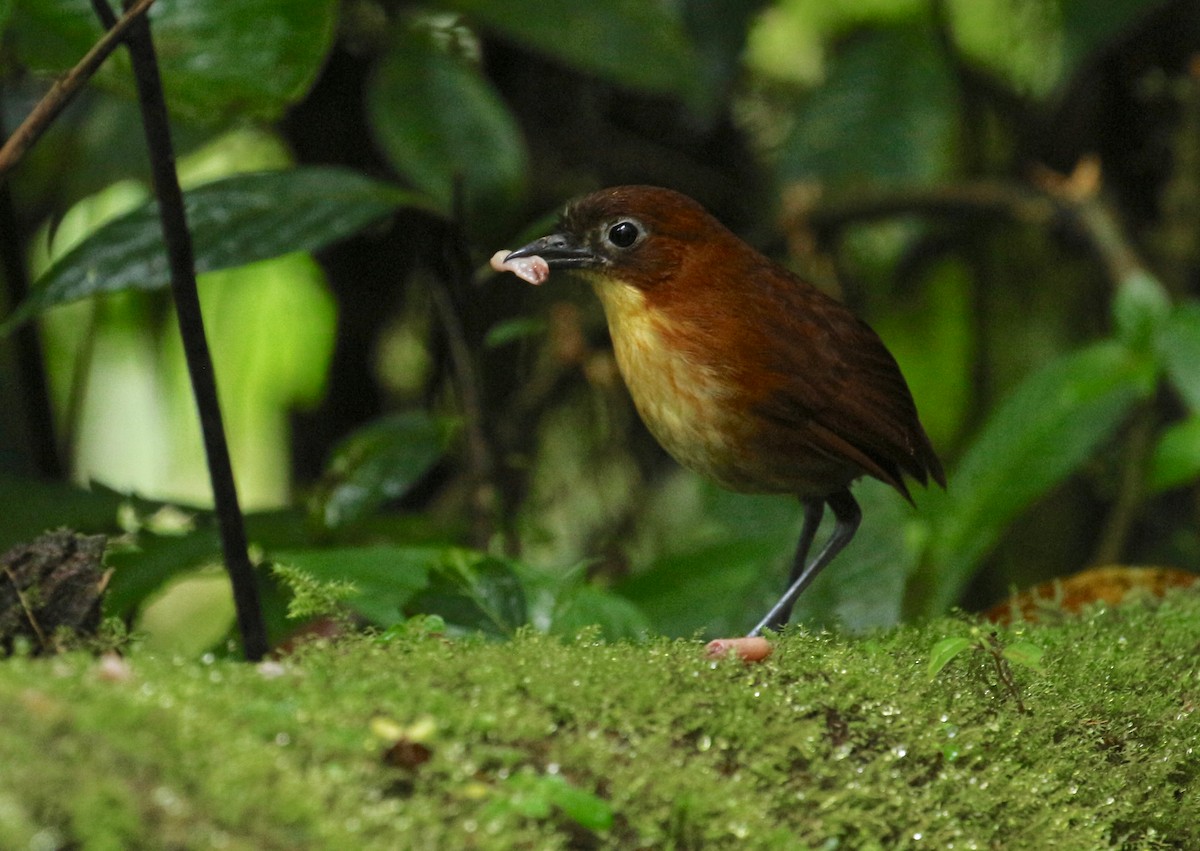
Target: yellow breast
682	399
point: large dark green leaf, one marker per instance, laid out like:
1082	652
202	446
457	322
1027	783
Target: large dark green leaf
29	507
219	60
886	113
1051	425
716	589
233	222
474	591
582	606
378	463
438	121
631	42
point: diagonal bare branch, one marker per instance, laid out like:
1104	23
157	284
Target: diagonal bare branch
65	88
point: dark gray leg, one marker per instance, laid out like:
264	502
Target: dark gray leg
847	515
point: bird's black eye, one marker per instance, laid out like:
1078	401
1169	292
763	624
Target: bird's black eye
623	234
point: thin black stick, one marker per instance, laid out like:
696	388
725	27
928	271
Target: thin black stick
178	243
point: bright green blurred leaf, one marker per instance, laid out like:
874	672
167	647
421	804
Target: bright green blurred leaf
1179	348
219	61
536	796
474	591
944	652
1140	306
585	808
386	578
239	220
1176	458
378	463
188	615
1018	40
637	44
1026	654
886	112
1047	428
439	121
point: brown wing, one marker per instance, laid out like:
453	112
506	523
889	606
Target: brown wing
835	385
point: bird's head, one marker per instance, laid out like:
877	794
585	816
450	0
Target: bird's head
640	236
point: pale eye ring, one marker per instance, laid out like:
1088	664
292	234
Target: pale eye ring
624	234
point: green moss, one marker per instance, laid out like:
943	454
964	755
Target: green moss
835	742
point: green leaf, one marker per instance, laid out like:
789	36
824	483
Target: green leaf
584	606
1046	430
378	463
716	589
1140	307
142	569
385	578
235	221
637	44
474	591
1176	458
581	806
535	796
29	506
1178	345
439	121
944	652
885	113
5	9
219	61
1025	653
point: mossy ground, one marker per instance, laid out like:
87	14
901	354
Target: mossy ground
834	742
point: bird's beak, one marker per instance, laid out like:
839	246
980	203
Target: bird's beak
560	251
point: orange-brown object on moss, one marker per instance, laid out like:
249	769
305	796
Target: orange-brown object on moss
753	648
1113	584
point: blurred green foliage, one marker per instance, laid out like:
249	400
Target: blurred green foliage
465	447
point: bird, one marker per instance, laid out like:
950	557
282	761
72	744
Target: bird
742	370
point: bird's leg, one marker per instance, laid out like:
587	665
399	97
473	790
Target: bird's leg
847	515
814	509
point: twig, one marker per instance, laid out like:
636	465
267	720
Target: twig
66	87
178	243
29	616
1004	671
1131	487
